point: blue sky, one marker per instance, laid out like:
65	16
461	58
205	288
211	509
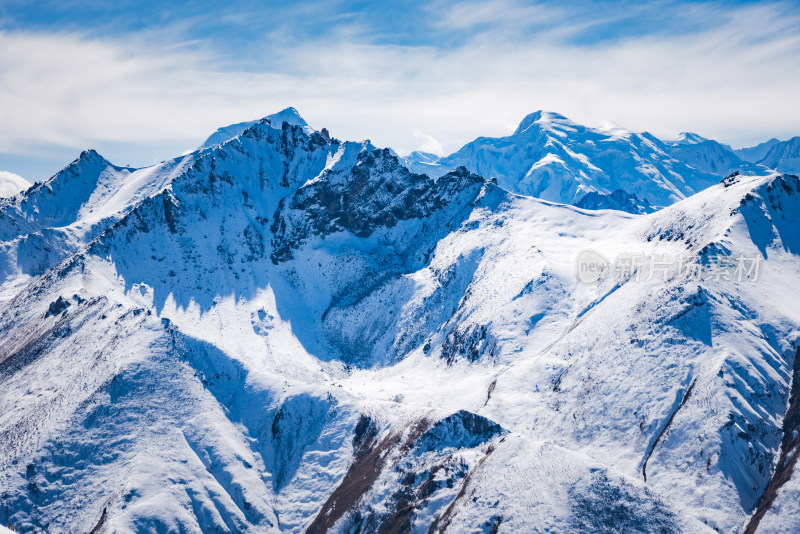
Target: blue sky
145	81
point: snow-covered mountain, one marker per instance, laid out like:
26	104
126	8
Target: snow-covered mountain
290	333
709	156
54	219
784	156
756	153
556	159
226	133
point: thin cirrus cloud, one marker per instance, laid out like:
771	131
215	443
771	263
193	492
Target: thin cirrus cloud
726	70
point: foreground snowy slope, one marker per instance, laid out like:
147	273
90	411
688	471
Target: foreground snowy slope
286	332
554	158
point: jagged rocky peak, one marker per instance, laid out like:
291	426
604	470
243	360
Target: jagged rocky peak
289	115
377	191
290	133
89	155
86	160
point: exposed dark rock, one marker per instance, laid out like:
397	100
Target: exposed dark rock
471	342
57	307
377	192
462	429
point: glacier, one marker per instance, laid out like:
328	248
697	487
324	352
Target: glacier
286	332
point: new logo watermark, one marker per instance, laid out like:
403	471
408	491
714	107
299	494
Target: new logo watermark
592	266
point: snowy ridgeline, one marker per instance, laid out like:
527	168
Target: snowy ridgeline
556	159
290	333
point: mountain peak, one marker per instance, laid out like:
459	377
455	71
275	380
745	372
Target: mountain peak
276	120
689	138
784	156
88	157
540	117
290	115
90	154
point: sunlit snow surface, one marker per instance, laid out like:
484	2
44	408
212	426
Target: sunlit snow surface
291	333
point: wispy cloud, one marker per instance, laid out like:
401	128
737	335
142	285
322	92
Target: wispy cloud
733	75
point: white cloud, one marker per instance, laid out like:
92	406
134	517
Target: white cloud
11	184
494	13
430	144
736	82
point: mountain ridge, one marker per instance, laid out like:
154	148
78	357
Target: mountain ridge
287	332
551	157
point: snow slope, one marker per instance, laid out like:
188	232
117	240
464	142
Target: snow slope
287	332
556	159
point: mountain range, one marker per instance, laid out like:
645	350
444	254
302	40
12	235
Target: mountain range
286	332
551	157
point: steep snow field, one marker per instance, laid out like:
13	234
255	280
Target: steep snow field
289	333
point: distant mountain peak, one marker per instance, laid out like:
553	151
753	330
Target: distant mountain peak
290	115
88	158
688	138
784	156
756	153
424	157
543	118
226	133
90	155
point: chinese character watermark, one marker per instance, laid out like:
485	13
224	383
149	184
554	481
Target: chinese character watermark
592	266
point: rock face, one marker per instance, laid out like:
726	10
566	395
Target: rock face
556	159
376	192
290	333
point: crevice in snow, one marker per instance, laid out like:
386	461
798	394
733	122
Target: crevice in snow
665	428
